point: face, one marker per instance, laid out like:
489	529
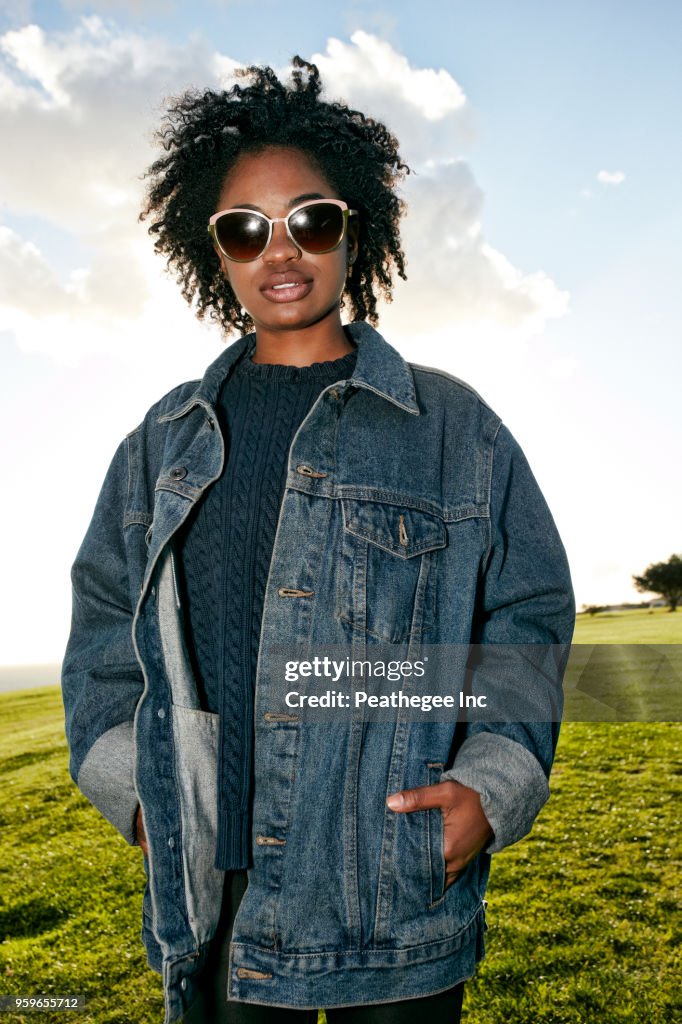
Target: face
274	181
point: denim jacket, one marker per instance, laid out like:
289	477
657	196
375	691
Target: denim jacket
410	516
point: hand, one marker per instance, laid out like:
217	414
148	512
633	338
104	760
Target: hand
140	833
466	830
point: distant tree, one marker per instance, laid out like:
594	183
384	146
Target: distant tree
664	578
593	609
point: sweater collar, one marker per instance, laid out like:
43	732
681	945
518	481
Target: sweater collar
379	368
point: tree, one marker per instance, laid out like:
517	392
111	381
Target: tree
593	609
664	578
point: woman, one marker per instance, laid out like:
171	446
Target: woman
312	489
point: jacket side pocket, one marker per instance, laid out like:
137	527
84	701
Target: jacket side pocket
196	753
435	836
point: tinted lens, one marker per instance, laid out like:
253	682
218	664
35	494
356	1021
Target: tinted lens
318	227
241	235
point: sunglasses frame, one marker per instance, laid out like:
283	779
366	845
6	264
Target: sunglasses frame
281	220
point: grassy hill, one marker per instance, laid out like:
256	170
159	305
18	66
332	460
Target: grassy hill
584	920
633	626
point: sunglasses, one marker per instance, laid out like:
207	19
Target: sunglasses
315	227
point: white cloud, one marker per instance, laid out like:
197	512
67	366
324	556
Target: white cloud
80	107
453	272
425	108
611	177
26	274
83	315
372	63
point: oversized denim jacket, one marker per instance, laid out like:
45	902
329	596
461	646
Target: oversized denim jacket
346	901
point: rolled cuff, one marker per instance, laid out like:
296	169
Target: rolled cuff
510	781
106	779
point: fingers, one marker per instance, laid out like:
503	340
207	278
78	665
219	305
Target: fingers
451	877
423	798
465	828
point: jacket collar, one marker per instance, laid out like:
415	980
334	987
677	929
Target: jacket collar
379	367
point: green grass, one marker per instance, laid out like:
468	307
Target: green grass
634	626
625	666
70	887
598	939
584	924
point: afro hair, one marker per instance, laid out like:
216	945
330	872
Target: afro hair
204	133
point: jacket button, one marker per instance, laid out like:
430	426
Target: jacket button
183	984
161	713
308	471
269	841
178	473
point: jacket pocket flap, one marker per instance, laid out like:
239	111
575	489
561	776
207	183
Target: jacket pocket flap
399	529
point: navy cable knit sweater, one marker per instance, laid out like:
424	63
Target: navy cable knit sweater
224	552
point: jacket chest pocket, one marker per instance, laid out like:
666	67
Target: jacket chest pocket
386	583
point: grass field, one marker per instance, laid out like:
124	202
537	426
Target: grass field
634	626
583	914
625	666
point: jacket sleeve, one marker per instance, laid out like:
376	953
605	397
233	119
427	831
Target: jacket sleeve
101	678
525	598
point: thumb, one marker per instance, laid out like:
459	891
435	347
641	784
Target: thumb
422	798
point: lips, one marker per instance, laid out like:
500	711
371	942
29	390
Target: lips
287	286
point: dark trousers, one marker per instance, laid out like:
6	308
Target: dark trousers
211	1005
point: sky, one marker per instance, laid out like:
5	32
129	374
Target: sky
542	240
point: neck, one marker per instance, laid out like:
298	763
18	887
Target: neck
315	344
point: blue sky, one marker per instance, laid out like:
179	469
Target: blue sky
556	95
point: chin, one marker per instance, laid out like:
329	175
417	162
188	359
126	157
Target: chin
295	319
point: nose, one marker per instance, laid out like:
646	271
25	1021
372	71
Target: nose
281	248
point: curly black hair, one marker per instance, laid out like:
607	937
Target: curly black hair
205	132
